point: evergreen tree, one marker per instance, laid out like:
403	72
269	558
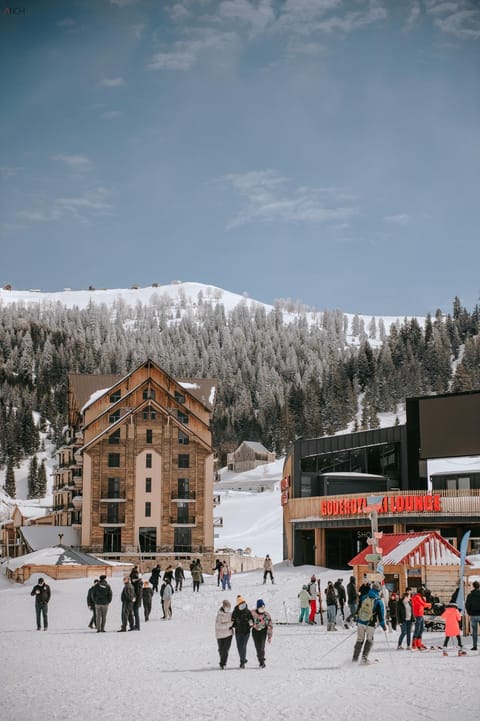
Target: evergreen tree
41	480
33	477
9	486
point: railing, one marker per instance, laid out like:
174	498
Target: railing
112	518
182	520
183	495
218	522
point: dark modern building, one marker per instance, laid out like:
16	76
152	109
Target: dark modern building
328	480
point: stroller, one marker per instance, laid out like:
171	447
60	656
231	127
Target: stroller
432	619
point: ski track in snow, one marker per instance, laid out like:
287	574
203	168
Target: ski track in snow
170	668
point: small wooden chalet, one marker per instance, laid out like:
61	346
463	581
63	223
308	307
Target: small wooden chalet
248	456
58	562
414	559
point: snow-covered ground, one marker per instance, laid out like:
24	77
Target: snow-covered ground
170	669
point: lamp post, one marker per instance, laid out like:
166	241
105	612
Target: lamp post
374	503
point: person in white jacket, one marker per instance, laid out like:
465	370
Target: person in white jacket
223	631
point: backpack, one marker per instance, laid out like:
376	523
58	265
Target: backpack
365	612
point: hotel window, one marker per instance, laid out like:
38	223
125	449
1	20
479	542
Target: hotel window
179	397
114	397
114	460
182	417
148	509
114	417
149	435
113	488
183	438
148	485
148	460
183	460
149	415
148	394
114	437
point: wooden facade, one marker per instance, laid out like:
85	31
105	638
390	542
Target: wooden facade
137	472
247	456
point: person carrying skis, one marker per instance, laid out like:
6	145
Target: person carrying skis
370	613
452	618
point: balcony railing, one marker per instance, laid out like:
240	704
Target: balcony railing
183	495
113	519
182	520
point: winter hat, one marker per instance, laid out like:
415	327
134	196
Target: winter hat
305	588
313	578
376	586
103	578
240	599
260	604
226	603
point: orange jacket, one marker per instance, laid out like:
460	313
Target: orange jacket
452	618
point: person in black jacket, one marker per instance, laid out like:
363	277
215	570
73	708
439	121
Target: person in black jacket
179	577
42	594
242	622
155	577
128	594
102	597
147	594
91	603
137	602
472	607
352	598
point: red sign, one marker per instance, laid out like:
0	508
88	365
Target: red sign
390	504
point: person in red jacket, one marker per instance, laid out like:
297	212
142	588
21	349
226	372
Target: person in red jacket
419	604
452	618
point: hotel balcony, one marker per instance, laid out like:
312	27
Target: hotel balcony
183	495
182	520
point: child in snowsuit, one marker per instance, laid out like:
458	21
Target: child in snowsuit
452	618
304	597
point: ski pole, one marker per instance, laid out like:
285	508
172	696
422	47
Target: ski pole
338	644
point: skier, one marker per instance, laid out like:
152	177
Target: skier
370	612
419	604
452	618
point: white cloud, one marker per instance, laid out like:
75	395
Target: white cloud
413	16
306	17
112	82
91	204
76	163
400	219
461	18
183	54
267	198
257	17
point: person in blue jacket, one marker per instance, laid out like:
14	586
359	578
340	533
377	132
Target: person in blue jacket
371	612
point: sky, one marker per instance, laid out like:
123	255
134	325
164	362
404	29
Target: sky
320	150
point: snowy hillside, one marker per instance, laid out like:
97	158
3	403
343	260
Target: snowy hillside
183	297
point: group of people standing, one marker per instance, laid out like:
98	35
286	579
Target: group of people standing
240	622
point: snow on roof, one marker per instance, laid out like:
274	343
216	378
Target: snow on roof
32	511
427	548
38	537
188	386
55	556
95	396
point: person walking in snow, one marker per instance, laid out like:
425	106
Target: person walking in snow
225	576
42	594
168	574
452	618
304	597
242	622
137	602
419	604
312	590
223	631
472	607
128	594
332	607
268	569
352	599
217	568
155	577
370	613
196	572
341	595
392	610
91	603
405	618
102	597
167	599
262	630
179	577
147	595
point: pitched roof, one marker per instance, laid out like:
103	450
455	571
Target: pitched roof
84	385
427	548
255	446
55	556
